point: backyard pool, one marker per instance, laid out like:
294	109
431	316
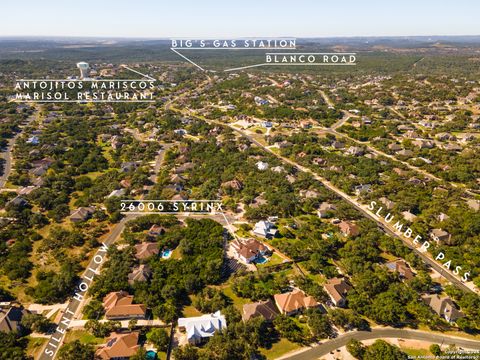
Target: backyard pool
261	260
166	254
151	355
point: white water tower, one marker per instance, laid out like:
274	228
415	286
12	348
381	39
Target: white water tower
83	67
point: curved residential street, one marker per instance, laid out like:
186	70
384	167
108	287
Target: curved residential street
331	345
7	154
7	165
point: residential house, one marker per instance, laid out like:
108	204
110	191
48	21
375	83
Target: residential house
145	250
362	189
309	194
319	161
202	327
445	136
394	147
265	229
423	144
442	217
405	152
139	273
180	132
452	147
355	151
177	179
233	184
156	230
278	169
325	209
265	309
338	145
249	250
348	228
262	166
416	181
45	162
11	317
387	203
465	138
337	289
411	134
306	124
117	193
407	215
400	172
444	307
183	168
82	214
119	305
473	204
119	346
18	201
293	302
440	235
402	268
128	166
33	140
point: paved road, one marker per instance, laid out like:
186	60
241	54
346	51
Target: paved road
7	165
76	303
447	275
326	98
7	155
331	345
450	277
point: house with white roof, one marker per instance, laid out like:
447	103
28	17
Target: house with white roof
201	327
265	229
262	166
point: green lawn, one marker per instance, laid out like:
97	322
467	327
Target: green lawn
34	345
415	352
280	348
275	259
84	337
190	311
238	302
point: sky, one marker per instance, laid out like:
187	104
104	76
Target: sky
245	18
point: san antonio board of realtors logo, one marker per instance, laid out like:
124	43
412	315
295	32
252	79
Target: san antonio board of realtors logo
87	88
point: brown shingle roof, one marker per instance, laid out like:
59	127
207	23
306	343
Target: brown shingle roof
119	346
337	288
266	309
349	228
294	301
120	304
146	249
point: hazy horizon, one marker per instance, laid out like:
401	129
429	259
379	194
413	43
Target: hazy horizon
216	19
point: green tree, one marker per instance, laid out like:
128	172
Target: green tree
94	310
187	352
159	338
76	351
36	323
380	349
356	348
435	349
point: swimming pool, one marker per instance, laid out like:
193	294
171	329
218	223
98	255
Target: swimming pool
261	260
166	254
151	355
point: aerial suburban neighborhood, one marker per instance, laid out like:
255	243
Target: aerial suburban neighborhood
191	199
